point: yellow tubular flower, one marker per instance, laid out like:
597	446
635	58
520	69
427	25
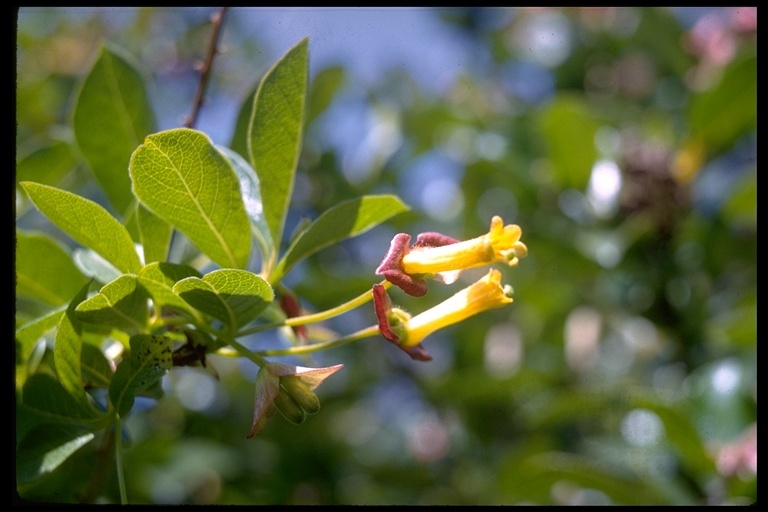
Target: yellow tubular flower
501	244
485	294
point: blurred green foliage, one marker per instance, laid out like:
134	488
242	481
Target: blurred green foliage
625	371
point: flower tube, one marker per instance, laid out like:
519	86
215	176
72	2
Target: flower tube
436	255
408	332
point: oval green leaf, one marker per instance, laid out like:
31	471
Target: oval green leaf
94	266
44	270
155	233
235	297
347	219
111	117
46	164
121	303
68	347
159	279
275	132
27	337
249	185
181	176
87	223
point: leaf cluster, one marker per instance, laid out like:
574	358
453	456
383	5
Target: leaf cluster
121	286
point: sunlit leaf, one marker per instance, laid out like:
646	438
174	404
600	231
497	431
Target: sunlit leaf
68	348
112	115
159	279
156	235
235	297
249	185
94	266
28	335
44	269
181	176
239	142
275	132
347	219
121	303
47	164
87	223
45	448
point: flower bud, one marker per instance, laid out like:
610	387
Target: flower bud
301	393
289	408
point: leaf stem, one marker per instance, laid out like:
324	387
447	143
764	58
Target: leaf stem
243	350
307	349
119	460
205	69
316	317
257	357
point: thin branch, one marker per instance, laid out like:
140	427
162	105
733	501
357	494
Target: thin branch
217	20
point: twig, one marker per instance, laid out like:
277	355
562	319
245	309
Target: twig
217	20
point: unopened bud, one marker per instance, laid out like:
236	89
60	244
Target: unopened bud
300	392
289	408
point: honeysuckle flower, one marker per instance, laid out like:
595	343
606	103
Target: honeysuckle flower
287	388
407	332
436	255
391	319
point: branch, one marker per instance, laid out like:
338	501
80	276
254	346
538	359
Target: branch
217	20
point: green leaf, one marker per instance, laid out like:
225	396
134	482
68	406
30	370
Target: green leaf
121	303
155	234
538	473
324	87
347	219
740	209
322	90
44	269
146	363
86	222
68	347
94	266
111	117
47	164
737	326
569	130
45	448
683	436
97	372
33	330
239	142
45	401
181	176
249	185
235	297
722	114
28	335
159	279
275	132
